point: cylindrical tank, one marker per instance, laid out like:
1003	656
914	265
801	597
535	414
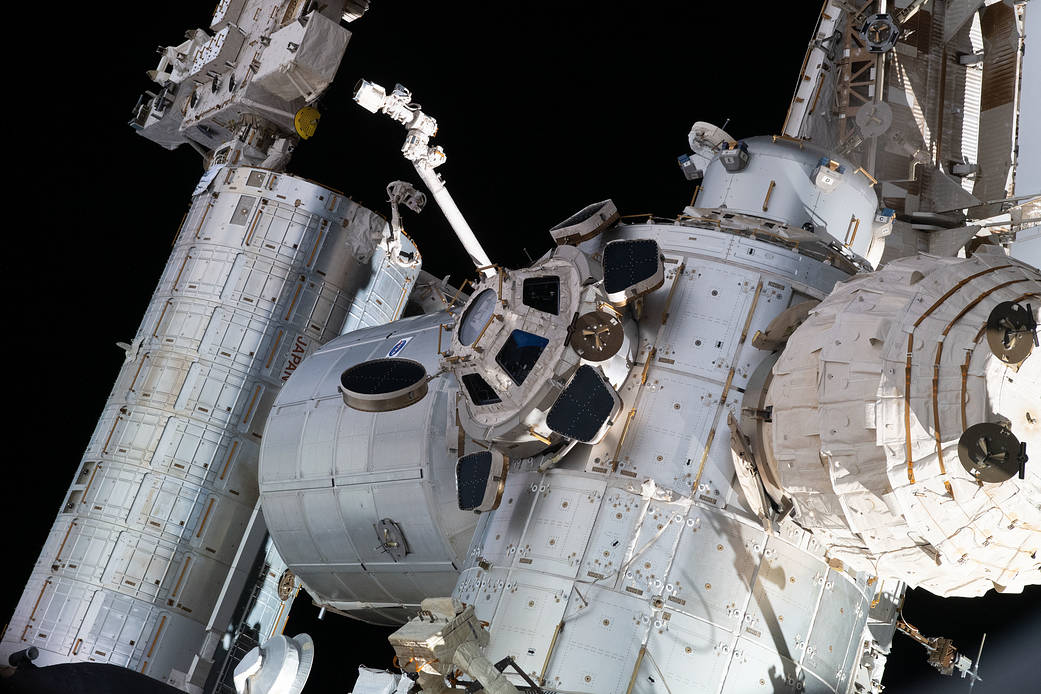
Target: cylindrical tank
362	504
871	403
263	270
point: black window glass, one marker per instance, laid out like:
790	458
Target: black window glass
471	478
519	354
582	408
542	293
480	392
628	262
381	376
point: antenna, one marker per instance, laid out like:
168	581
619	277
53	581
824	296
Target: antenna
942	653
974	673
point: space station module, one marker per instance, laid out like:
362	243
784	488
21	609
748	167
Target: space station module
701	454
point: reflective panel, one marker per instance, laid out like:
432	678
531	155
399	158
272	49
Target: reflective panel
518	356
542	293
479	391
584	407
476	316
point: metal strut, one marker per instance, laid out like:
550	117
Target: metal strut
942	653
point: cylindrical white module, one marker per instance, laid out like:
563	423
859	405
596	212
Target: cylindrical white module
636	564
799	184
263	270
881	398
361	504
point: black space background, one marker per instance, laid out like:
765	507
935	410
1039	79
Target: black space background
542	110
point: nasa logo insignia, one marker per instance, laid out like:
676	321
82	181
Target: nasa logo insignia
396	349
